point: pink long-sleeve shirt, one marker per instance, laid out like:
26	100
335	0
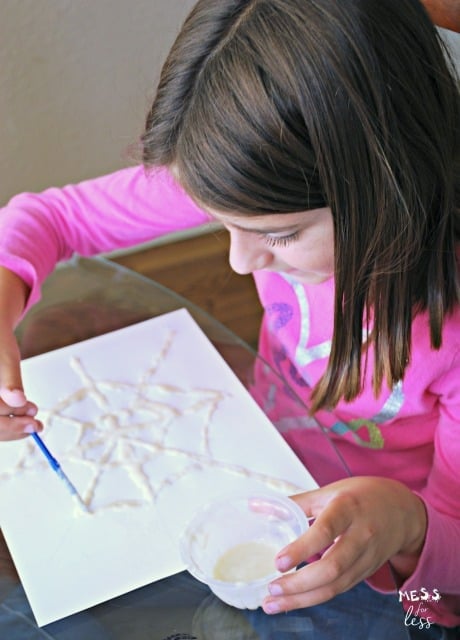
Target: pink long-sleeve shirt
410	433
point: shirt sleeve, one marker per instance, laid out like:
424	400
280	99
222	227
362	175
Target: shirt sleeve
438	567
439	563
115	211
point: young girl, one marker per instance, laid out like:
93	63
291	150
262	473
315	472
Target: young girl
324	136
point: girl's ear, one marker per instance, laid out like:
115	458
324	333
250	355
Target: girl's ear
444	13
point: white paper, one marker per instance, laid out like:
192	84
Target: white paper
148	422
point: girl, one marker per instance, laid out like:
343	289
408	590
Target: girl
324	136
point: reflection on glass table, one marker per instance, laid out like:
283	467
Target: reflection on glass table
86	298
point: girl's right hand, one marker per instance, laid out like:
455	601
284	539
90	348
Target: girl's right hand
17	414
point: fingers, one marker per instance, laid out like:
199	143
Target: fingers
327	527
320	580
341	567
313	502
315	583
17	414
20	426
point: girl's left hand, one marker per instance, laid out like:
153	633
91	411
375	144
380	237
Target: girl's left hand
361	522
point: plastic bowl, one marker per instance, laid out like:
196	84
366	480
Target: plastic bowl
231	543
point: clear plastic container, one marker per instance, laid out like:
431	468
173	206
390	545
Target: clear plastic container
231	543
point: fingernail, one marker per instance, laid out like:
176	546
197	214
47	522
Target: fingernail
30	428
14	397
275	589
31	411
283	563
271	607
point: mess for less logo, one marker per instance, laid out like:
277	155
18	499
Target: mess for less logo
181	636
416	610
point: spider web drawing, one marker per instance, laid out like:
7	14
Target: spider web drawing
132	440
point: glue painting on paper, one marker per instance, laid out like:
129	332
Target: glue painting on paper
148	422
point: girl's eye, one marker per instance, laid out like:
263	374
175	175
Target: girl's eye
280	241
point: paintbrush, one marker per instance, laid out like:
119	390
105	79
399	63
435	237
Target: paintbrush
54	464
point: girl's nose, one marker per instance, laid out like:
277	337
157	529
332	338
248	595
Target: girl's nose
247	252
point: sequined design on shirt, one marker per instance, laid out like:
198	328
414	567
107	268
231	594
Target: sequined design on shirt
280	315
365	432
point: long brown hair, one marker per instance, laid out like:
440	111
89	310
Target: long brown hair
272	106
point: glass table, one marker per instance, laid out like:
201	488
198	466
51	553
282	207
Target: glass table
84	298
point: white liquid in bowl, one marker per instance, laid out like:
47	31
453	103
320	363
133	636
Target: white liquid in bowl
246	562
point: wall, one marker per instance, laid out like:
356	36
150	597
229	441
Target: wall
76	78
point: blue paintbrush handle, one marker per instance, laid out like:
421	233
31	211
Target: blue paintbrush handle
54	464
